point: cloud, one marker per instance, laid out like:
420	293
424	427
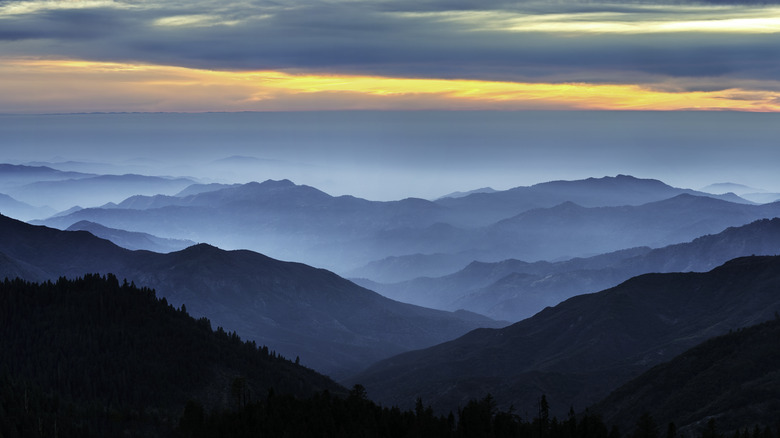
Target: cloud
648	43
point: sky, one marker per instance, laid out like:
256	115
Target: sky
191	56
360	96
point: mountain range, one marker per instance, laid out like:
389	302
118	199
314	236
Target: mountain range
301	223
586	346
334	325
42	186
513	290
132	240
544	252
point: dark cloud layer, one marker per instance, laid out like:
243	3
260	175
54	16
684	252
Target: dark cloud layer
409	39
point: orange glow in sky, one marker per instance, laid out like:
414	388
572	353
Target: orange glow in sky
35	85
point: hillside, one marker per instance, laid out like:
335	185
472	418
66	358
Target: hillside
732	379
579	350
334	325
95	357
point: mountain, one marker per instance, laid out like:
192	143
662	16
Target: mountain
570	229
334	325
95	357
298	222
94	190
470	192
482	209
132	240
732	379
404	268
13	175
726	187
581	349
289	221
195	189
513	290
20	210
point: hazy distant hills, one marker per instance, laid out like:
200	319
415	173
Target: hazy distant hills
43	186
12	175
290	221
732	379
96	190
745	192
132	240
581	349
513	290
21	210
487	208
334	325
295	222
470	192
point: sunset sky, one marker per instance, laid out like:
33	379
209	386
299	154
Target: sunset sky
192	56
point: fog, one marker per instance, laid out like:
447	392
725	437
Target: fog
393	155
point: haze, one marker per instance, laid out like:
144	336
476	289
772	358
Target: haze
385	155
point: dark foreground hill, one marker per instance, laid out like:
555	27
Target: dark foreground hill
94	357
334	325
733	379
581	349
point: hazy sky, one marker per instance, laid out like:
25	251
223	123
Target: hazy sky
154	55
387	155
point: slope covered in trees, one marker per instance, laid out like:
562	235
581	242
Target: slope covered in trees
734	379
96	356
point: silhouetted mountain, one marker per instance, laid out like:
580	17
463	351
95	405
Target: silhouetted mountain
334	325
487	208
93	357
581	349
130	239
513	290
732	379
21	210
95	190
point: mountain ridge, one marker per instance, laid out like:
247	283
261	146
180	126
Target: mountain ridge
331	323
579	350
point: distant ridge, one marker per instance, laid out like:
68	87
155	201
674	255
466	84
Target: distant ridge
514	289
132	240
726	187
470	192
